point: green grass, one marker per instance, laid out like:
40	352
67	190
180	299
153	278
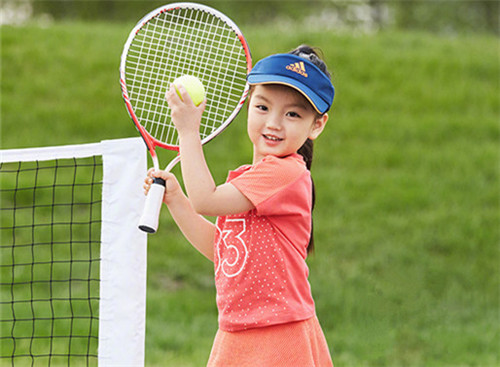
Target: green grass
406	270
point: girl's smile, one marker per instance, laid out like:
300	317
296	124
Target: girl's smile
280	120
272	138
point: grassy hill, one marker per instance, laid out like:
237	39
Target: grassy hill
406	269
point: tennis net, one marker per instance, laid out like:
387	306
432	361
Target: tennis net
66	299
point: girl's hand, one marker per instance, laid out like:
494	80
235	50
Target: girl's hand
185	115
172	187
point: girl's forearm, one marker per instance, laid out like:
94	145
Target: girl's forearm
198	180
205	196
199	231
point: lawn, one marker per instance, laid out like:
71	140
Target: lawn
406	268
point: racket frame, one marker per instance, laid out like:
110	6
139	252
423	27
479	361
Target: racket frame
150	141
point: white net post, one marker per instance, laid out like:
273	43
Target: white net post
122	309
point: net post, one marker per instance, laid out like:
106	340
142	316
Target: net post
123	255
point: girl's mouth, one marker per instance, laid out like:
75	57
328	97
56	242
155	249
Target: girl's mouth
272	137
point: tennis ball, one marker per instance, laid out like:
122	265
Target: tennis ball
193	86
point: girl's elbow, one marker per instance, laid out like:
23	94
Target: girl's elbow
203	207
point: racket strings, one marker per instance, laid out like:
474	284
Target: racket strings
181	42
222	74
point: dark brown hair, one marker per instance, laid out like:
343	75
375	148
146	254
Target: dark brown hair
306	150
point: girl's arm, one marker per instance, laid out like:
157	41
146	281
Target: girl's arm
205	196
198	231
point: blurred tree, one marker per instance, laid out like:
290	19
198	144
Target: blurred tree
448	16
241	10
440	16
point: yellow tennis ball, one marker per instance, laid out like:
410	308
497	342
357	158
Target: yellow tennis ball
193	86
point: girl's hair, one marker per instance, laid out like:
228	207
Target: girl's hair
306	150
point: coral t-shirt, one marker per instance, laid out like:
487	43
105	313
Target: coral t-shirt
260	269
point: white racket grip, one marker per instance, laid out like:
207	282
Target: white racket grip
151	213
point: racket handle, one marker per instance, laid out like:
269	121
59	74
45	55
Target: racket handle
151	213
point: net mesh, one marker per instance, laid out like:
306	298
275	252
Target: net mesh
184	41
50	242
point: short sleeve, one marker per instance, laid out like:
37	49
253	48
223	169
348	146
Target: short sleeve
271	180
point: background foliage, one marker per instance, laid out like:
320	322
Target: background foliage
406	271
455	16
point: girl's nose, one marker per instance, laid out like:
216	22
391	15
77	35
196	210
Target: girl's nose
273	123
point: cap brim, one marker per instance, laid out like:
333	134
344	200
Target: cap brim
319	105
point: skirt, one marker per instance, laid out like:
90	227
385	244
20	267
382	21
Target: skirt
296	344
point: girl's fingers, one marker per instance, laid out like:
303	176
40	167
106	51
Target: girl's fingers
160	174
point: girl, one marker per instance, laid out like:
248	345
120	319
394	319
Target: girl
263	231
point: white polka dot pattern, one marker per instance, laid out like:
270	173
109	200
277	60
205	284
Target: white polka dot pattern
260	269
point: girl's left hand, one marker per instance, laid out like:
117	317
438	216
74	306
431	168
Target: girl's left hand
185	115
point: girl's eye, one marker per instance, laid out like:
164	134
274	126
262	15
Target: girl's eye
261	107
293	114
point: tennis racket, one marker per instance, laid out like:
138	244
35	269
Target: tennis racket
171	41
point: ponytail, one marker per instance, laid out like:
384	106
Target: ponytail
306	150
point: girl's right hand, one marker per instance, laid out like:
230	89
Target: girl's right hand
172	186
185	115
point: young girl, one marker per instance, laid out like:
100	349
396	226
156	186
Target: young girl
263	231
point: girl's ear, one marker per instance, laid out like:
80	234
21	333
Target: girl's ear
318	126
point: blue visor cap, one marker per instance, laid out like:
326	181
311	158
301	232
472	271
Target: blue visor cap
298	73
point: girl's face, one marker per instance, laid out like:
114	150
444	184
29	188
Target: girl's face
280	120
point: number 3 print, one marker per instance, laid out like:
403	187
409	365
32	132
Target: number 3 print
231	251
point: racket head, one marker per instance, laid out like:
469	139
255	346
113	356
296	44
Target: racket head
179	39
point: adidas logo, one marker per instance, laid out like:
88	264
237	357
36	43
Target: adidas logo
298	68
